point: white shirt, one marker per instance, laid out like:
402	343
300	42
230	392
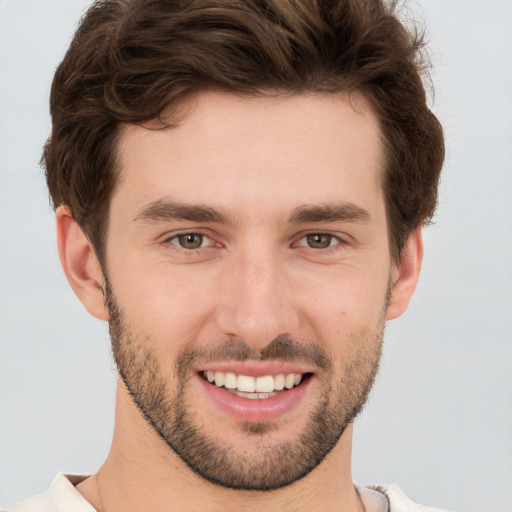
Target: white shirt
62	496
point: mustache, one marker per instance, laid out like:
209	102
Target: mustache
283	348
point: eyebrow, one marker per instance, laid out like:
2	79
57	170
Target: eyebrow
166	210
345	212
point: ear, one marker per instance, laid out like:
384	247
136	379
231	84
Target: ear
80	264
405	275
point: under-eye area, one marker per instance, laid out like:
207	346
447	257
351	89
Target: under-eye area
262	387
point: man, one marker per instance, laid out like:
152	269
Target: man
240	188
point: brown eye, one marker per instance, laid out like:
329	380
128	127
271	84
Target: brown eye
190	240
319	240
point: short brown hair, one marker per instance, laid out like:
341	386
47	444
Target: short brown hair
130	59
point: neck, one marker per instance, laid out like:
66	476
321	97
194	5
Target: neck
142	473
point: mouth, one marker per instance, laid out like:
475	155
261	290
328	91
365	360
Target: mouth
255	388
256	391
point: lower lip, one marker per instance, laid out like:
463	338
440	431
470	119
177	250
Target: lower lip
255	410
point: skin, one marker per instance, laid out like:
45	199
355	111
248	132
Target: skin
256	277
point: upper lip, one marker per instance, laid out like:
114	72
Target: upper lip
256	368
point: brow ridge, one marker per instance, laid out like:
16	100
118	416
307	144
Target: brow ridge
167	210
345	212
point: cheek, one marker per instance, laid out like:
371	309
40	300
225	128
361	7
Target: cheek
344	301
165	301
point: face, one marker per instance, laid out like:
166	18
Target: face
248	274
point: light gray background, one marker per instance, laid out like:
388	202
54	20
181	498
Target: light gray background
439	421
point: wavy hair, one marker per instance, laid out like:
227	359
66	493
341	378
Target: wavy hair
131	59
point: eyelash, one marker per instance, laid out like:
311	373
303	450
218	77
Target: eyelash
329	248
174	240
332	247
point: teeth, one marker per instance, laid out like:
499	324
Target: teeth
230	381
254	396
219	379
265	384
253	387
289	381
279	382
246	383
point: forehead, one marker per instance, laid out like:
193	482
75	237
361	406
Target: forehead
241	151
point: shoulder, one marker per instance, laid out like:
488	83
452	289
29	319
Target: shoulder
399	502
61	496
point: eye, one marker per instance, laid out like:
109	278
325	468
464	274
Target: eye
318	240
191	240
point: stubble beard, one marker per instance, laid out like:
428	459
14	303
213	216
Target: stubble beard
275	466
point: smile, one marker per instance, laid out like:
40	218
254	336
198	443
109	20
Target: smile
246	386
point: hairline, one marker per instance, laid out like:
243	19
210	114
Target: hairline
176	112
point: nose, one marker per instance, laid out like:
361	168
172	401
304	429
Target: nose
257	304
